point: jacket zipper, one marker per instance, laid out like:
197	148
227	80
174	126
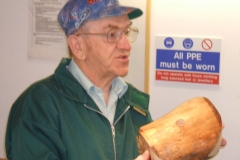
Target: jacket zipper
112	127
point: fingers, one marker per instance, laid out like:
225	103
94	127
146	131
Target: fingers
224	142
144	156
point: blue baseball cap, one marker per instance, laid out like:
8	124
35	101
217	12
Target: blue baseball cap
75	12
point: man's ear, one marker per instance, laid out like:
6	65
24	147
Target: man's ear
75	43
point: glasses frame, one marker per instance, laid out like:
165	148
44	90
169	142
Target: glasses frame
123	31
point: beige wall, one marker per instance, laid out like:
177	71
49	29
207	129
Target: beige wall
18	71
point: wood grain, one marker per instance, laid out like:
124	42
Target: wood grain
189	132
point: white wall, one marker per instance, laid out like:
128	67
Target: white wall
205	18
137	66
18	71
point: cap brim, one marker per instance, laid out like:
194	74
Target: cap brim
136	13
116	10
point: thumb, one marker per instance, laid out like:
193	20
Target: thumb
146	155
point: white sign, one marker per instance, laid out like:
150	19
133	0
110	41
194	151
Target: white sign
46	39
186	59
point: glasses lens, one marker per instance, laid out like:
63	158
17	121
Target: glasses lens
113	35
132	33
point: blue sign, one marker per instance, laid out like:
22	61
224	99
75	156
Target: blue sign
188	60
187	43
169	42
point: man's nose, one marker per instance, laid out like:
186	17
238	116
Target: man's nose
124	43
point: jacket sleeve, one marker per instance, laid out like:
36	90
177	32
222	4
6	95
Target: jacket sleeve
30	140
33	128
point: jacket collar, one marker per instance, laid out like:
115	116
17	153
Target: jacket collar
137	99
67	84
72	89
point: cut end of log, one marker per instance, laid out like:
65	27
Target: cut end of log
190	131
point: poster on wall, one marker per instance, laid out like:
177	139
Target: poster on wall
188	59
46	39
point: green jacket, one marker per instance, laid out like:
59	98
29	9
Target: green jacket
55	119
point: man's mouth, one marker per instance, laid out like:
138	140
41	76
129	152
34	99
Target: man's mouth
123	56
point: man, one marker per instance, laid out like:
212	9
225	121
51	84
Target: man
84	110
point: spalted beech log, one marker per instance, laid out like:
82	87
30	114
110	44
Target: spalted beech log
191	131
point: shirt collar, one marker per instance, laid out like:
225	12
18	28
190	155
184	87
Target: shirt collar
119	87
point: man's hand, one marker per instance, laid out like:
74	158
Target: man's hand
144	156
224	142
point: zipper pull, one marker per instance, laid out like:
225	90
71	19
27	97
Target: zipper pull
113	131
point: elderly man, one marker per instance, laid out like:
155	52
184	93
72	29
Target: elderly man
84	111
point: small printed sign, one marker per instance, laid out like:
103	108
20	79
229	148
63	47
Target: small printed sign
207	44
187	43
169	42
194	60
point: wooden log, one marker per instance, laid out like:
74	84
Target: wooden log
192	131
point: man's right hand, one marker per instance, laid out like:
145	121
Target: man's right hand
144	156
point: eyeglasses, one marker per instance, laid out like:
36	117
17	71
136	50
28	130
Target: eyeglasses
115	34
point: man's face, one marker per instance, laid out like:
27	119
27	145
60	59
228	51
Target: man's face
103	58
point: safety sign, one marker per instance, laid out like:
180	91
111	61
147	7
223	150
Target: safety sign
186	59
